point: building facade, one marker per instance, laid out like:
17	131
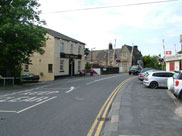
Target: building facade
123	57
63	56
173	63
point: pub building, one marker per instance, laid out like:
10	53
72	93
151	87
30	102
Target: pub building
63	56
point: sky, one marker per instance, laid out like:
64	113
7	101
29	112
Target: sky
144	25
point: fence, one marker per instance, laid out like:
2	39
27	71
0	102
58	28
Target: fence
7	80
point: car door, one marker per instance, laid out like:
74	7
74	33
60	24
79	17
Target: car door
166	75
163	80
158	77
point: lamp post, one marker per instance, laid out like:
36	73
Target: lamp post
92	54
181	41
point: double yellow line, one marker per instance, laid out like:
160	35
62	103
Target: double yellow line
104	110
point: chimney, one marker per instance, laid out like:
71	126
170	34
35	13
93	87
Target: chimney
135	47
110	46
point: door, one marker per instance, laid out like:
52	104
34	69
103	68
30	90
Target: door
171	66
71	67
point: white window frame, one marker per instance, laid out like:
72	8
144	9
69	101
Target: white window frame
79	50
71	48
61	47
26	68
61	68
124	64
124	54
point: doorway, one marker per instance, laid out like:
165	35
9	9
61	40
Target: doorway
71	67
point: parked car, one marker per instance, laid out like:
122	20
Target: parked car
170	81
157	79
135	70
30	77
143	72
177	91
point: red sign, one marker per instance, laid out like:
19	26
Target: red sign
168	52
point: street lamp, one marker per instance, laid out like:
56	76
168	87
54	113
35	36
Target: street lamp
92	54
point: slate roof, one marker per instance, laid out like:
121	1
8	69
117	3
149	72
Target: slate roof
129	47
62	36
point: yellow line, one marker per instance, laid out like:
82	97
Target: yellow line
99	114
108	103
107	109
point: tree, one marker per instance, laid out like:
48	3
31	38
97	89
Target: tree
21	34
151	61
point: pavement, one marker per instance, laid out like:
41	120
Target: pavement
141	111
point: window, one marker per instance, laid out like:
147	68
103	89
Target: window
157	74
50	68
163	74
124	55
61	65
71	49
169	74
26	68
79	66
79	49
124	64
62	47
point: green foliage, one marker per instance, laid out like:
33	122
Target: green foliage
88	65
180	52
21	34
151	61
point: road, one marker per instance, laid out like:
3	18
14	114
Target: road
72	107
64	107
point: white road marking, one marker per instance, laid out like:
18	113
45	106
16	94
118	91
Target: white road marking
24	91
100	80
7	111
70	90
36	105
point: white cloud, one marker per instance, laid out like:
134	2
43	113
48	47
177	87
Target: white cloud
142	25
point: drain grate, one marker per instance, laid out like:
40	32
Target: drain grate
2	118
103	119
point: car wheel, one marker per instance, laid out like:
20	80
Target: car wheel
153	85
129	73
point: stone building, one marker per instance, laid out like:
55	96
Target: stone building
123	57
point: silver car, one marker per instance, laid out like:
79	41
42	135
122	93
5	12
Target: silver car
157	79
144	72
178	86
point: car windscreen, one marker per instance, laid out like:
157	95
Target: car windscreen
145	69
179	76
134	67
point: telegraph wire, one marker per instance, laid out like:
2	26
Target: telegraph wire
114	6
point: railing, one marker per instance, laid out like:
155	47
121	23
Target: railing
8	78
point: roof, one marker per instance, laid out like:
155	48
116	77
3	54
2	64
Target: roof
129	47
62	36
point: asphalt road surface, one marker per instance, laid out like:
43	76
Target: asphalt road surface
65	107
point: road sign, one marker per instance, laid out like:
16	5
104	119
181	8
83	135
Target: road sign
168	52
